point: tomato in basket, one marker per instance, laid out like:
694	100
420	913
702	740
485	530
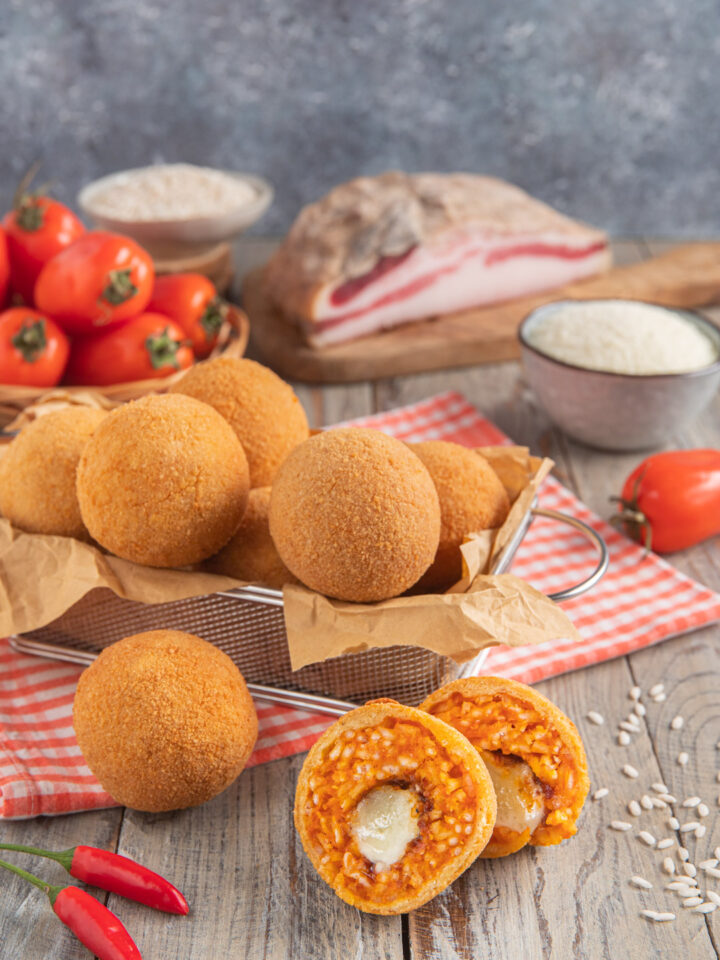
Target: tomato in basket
147	346
4	267
33	349
191	300
99	281
37	228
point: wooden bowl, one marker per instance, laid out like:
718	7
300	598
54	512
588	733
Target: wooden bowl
232	342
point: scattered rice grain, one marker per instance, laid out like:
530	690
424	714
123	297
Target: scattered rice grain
704	864
713	897
668	865
665	844
634	808
701	831
689	826
599	794
713	872
673	823
639	709
597	718
623	738
660	698
703	810
646	802
659	788
692	902
635	693
630	771
682	758
658	688
657	917
641	882
647	838
691	802
677	723
629	727
668	798
690	869
620	825
683	853
705	907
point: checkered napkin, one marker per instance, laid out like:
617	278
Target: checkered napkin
640	601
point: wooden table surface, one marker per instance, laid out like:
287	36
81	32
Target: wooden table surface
253	892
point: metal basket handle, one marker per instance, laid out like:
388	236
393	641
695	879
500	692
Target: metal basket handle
594	537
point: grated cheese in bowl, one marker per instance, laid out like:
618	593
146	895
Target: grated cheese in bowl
621	337
174	191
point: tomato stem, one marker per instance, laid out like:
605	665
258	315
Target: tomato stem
119	287
30	340
213	317
162	349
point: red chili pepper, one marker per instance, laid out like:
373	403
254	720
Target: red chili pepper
672	499
113	872
91	922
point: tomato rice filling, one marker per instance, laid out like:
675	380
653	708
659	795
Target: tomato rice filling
503	726
401	754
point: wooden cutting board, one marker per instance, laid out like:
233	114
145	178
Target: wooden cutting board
686	276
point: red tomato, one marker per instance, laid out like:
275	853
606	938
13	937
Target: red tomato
672	499
33	349
191	300
37	229
98	281
150	345
4	267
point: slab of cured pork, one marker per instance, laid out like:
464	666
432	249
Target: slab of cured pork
381	251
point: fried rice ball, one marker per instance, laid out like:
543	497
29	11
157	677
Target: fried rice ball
163	482
251	554
260	407
164	720
354	515
37	472
472	498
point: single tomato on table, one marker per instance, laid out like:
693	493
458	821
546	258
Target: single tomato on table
37	228
191	300
99	281
33	348
148	346
672	499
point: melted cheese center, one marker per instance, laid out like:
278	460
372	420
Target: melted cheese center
385	822
520	800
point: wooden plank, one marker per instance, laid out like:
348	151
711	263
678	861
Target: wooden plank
252	891
28	927
686	276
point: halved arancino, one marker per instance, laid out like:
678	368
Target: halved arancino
533	753
391	806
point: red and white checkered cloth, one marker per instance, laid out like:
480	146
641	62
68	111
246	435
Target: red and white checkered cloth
640	601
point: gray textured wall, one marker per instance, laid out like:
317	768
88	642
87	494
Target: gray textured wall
609	109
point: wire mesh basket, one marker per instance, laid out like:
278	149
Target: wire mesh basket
248	624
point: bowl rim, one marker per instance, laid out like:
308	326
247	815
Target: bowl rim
264	194
693	316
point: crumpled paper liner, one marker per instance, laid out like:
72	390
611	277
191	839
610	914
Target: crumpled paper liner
494	609
43	576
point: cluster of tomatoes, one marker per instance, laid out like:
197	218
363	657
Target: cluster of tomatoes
91	309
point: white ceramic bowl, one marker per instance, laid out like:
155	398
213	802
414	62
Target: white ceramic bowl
618	411
213	229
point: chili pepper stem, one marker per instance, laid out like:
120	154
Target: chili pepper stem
63	857
50	889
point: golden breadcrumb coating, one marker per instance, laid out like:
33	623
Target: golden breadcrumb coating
37	472
251	554
472	498
163	482
260	407
164	720
354	515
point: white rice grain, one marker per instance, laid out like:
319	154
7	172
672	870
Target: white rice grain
628	727
634	808
713	897
692	902
599	794
657	917
623	739
621	825
682	758
630	771
647	838
701	831
704	864
690	869
713	872
668	865
705	907
673	823
665	844
683	853
690	826
703	810
668	798
639	709
658	688
645	802
677	723
635	693
690	802
641	882
659	788
597	718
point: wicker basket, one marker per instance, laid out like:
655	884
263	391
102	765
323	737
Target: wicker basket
232	342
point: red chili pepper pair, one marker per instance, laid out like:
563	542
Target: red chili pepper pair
90	921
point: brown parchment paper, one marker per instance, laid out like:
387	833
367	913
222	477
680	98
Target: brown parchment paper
494	609
43	576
